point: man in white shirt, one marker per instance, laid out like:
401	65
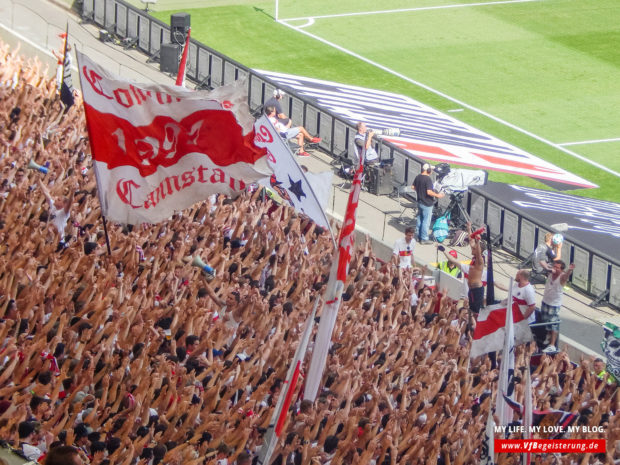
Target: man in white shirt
524	295
552	300
403	250
299	133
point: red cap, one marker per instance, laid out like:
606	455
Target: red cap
453	253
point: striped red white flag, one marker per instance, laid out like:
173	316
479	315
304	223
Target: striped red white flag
159	149
490	329
278	418
183	63
335	288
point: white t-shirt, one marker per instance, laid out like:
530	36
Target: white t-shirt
60	219
525	296
553	291
31	452
404	251
281	128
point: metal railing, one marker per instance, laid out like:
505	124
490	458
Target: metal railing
595	274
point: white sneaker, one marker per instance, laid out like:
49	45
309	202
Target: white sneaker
550	349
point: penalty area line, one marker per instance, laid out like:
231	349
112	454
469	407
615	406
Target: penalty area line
585	142
452	99
405	10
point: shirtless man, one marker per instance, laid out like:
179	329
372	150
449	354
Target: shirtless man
474	276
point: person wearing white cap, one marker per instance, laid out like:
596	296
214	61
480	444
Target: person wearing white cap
299	133
275	102
423	185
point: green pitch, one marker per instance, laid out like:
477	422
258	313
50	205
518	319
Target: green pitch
549	67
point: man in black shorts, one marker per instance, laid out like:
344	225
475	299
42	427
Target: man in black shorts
474	276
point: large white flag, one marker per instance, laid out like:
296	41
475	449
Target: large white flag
158	149
288	179
506	373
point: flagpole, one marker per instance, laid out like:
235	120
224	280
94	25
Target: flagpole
505	366
490	272
105	231
183	64
527	415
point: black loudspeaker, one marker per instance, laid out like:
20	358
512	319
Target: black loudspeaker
169	58
179	25
380	180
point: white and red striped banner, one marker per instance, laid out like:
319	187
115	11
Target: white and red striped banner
278	417
335	287
158	149
490	329
183	64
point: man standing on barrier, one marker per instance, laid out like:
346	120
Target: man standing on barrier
423	185
552	300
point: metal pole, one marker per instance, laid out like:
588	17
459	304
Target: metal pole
107	239
384	218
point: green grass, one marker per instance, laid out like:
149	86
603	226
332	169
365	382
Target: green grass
549	67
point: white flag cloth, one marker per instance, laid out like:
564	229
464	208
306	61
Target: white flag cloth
284	399
333	293
488	443
506	373
158	149
288	179
490	329
321	185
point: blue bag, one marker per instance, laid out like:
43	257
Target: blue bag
441	228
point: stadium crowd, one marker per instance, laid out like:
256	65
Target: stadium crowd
137	357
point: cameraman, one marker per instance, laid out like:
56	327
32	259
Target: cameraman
423	186
362	142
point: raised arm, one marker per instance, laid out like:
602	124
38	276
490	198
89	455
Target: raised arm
566	274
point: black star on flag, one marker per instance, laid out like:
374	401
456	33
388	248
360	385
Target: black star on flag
296	189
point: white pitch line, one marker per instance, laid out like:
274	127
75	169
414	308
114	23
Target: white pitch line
404	10
584	142
452	99
309	22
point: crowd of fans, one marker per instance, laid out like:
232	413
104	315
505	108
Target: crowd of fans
135	357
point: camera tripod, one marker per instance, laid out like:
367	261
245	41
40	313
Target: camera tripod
458	215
